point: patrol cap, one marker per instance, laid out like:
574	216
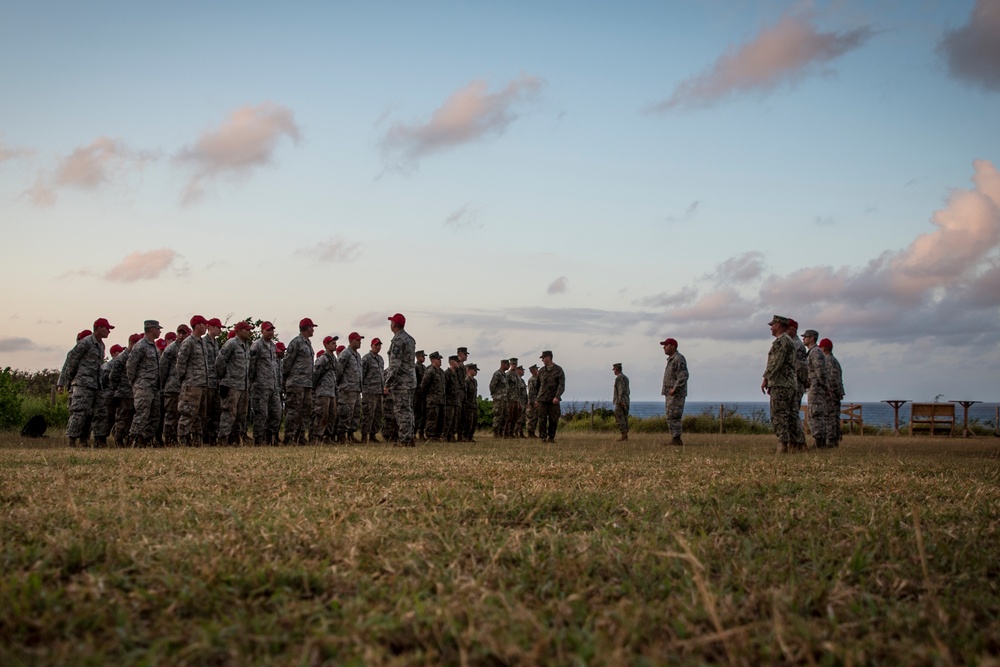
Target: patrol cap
151	324
810	333
134	338
472	367
116	348
435	355
520	368
170	335
669	341
354	335
231	334
792	324
453	357
102	322
513	361
83	334
398	319
505	361
279	346
161	345
826	343
183	328
533	367
546	353
376	341
319	353
340	348
616	366
330	339
196	320
243	325
305	323
778	319
215	322
462	350
419	353
265	326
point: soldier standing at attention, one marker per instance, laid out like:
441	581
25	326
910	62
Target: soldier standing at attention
498	392
123	401
297	370
265	387
522	402
835	387
213	401
801	381
512	399
232	367
463	355
324	424
675	388
171	385
82	374
453	391
372	391
401	378
192	372
622	401
433	389
530	409
471	405
349	389
419	404
780	384
819	388
551	385
143	371
102	419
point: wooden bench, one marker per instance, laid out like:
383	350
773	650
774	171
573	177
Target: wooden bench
851	414
931	416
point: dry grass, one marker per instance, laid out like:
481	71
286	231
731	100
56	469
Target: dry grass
883	551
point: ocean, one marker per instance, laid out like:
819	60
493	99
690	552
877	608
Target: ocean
875	414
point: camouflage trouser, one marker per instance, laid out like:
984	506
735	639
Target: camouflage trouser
390	430
419	413
499	416
471	421
266	415
124	411
450	421
675	414
784	413
298	410
817	415
402	399
234	411
324	417
832	417
85	408
213	414
621	416
170	416
435	419
548	419
101	421
371	414
191	405
513	417
531	412
348	412
799	433
147	414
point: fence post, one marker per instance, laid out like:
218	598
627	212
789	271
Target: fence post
591	417
722	409
53	394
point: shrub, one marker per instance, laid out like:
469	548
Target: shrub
10	399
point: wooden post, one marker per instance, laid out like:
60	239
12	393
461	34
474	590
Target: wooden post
591	417
722	409
53	394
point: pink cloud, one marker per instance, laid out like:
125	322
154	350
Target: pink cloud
246	140
333	250
9	153
782	54
469	115
101	163
742	268
142	266
723	304
973	51
558	286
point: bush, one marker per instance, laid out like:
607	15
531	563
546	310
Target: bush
10	400
56	416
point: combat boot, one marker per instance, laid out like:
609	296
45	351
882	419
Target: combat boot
782	448
623	437
677	442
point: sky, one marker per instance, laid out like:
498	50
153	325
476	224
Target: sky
582	177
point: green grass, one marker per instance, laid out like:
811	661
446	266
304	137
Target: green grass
884	551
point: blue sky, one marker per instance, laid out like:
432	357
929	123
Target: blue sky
582	177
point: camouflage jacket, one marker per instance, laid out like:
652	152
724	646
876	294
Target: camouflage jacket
816	363
522	390
532	388
143	366
106	378
325	376
192	363
498	385
400	373
264	371
118	379
349	370
551	383
834	377
232	366
622	394
513	386
454	391
675	375
432	386
372	373
297	364
212	354
801	367
83	364
169	381
471	393
420	370
780	371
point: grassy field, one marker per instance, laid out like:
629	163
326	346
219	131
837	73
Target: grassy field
885	551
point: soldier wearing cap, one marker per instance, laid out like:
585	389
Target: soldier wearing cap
349	389
470	418
498	394
82	374
232	367
103	420
143	371
522	402
675	389
780	383
801	380
265	387
297	370
192	374
213	401
531	411
124	401
433	389
512	399
622	400
324	425
419	404
551	385
372	391
463	355
835	387
401	378
454	390
818	388
171	384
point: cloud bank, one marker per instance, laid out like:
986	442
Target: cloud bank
101	163
972	52
780	55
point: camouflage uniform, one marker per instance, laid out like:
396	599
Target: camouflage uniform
390	428
192	373
297	367
835	386
454	391
675	376
81	374
324	425
123	400
461	375
471	408
433	389
522	402
551	384
622	400
801	384
106	396
419	404
232	367
372	386
213	401
498	393
531	410
171	385
782	387
143	371
401	381
513	401
265	390
348	392
819	390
